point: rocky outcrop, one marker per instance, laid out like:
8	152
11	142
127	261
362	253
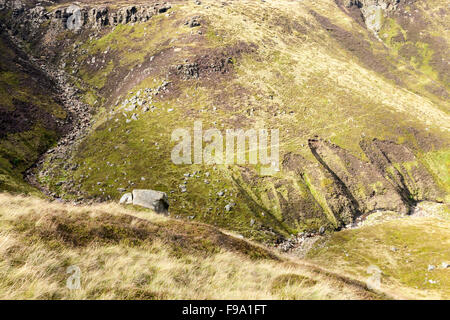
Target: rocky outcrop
383	4
361	183
399	166
76	17
373	11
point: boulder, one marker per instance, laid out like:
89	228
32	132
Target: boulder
193	22
154	200
17	5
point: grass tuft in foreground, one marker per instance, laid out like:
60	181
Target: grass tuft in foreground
123	254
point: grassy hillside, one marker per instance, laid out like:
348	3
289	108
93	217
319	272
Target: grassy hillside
363	117
31	119
127	255
412	254
360	97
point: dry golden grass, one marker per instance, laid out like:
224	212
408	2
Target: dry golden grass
402	248
38	242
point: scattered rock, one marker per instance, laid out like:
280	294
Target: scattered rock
229	206
193	22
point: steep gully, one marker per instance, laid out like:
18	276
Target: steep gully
78	119
25	23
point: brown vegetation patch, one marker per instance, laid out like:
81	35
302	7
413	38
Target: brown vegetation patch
438	90
439	60
211	62
417	26
408	51
358	46
294	162
23	117
399	38
87	228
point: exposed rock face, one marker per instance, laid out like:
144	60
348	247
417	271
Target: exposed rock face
355	179
151	199
338	189
154	200
75	20
384	4
400	167
373	15
104	16
373	11
76	17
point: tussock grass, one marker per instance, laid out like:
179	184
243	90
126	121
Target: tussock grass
123	254
403	249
